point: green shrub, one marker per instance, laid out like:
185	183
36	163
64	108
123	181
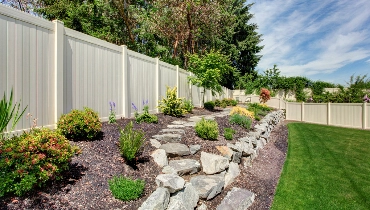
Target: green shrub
210	105
228	133
130	142
217	103
234	103
259	110
32	159
171	105
188	106
80	124
145	116
223	104
227	101
126	189
207	129
241	120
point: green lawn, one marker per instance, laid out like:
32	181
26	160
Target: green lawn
326	168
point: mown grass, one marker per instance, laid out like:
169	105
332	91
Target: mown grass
326	168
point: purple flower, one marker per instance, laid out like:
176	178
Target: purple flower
145	103
134	107
366	99
112	105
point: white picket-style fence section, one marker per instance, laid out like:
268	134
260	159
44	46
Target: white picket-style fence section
53	69
352	115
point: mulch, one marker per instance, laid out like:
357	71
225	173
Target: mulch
85	184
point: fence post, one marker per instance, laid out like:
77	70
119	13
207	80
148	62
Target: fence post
364	115
158	82
177	81
302	112
58	68
125	83
328	111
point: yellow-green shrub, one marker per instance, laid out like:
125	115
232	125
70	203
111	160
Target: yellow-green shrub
171	105
242	111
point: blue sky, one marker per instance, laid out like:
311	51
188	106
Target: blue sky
326	40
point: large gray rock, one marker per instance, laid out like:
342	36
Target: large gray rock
237	199
202	207
185	199
155	143
236	157
194	148
173	130
246	148
232	173
182	167
160	157
158	200
212	163
175	149
172	182
208	186
225	151
168	137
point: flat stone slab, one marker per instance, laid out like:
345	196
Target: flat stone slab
155	143
175	149
195	119
175	126
190	124
208	186
160	157
212	163
179	122
172	182
173	130
237	199
182	167
168	137
159	199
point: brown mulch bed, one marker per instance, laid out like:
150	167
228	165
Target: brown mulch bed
85	185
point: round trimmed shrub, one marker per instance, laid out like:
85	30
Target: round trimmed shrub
32	159
80	124
210	105
207	129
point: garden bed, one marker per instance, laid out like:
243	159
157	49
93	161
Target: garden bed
85	185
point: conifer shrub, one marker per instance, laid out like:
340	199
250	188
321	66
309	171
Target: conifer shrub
207	129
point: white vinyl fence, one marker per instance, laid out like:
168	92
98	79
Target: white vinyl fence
53	69
352	115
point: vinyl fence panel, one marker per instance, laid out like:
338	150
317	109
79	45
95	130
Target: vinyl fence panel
184	87
367	116
294	111
347	115
167	77
316	113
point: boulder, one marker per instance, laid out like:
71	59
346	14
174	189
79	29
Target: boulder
202	207
182	167
232	173
155	143
208	186
237	199
175	149
160	157
212	163
158	200
172	182
225	151
194	148
185	199
236	157
168	137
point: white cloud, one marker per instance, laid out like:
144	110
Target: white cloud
312	37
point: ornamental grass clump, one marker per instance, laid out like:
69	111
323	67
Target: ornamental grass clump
126	189
130	141
171	105
207	129
241	120
242	111
80	124
32	159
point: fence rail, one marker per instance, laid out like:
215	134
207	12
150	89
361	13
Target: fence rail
352	115
53	69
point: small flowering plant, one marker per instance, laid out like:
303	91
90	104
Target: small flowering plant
145	116
112	115
366	99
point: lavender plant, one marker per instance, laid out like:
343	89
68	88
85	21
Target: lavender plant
112	115
145	116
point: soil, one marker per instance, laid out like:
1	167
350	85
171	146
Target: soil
85	184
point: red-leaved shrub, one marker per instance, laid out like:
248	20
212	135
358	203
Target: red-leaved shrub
264	95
